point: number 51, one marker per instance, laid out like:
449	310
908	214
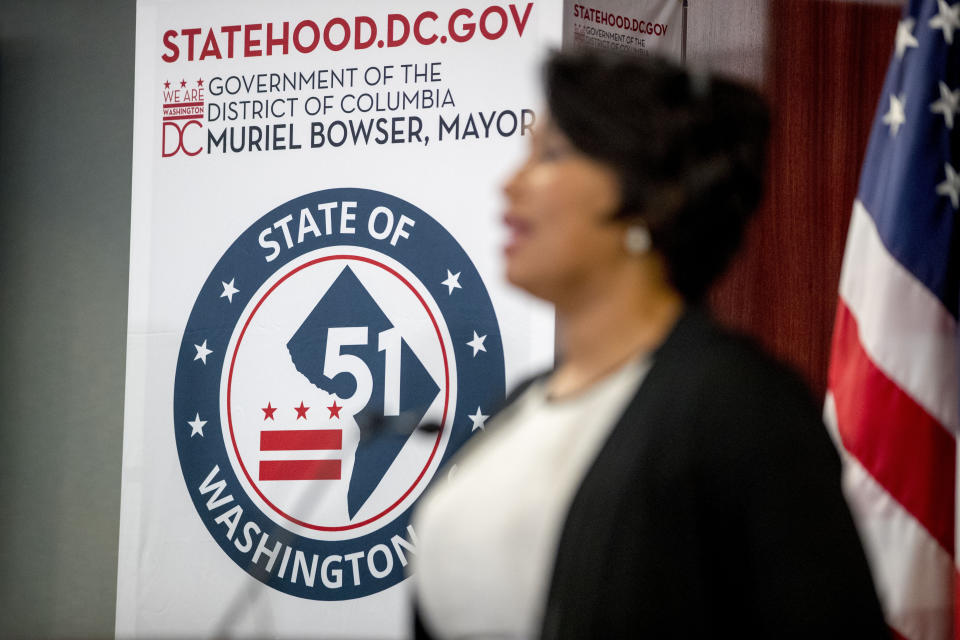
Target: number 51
335	363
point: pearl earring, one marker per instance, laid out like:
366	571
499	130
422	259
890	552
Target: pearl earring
637	240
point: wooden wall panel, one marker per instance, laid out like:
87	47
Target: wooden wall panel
825	70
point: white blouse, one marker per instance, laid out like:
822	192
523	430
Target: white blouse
488	534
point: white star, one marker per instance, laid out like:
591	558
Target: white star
947	19
228	290
478	420
452	282
896	115
948	104
197	425
477	344
904	38
950	186
202	352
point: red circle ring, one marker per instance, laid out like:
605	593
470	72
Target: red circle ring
446	396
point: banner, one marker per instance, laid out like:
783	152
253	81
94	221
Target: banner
632	26
317	316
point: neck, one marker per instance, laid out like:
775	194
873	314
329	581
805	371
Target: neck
611	322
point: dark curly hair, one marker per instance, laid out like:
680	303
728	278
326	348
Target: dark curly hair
689	150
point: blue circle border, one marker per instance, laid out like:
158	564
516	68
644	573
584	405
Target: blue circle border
429	252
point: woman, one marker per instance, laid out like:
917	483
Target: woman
667	479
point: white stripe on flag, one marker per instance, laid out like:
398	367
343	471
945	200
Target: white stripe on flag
903	326
912	572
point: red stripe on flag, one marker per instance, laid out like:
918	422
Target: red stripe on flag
905	449
300	470
301	440
956	604
895	635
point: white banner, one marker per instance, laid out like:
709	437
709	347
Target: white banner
633	26
315	271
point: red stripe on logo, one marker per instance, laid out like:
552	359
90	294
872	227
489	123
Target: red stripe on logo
902	446
300	470
301	440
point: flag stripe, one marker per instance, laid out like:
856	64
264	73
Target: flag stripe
301	440
300	470
902	326
956	602
912	572
905	449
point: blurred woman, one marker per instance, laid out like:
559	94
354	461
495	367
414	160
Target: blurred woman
667	479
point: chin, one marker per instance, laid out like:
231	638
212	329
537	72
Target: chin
528	280
513	274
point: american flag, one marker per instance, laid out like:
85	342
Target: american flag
893	399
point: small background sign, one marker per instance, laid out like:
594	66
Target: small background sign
632	26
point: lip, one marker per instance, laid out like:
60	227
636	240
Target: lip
519	229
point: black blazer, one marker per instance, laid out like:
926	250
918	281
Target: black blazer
714	508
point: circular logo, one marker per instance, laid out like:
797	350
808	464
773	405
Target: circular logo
339	353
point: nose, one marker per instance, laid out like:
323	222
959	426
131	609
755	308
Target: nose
512	185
